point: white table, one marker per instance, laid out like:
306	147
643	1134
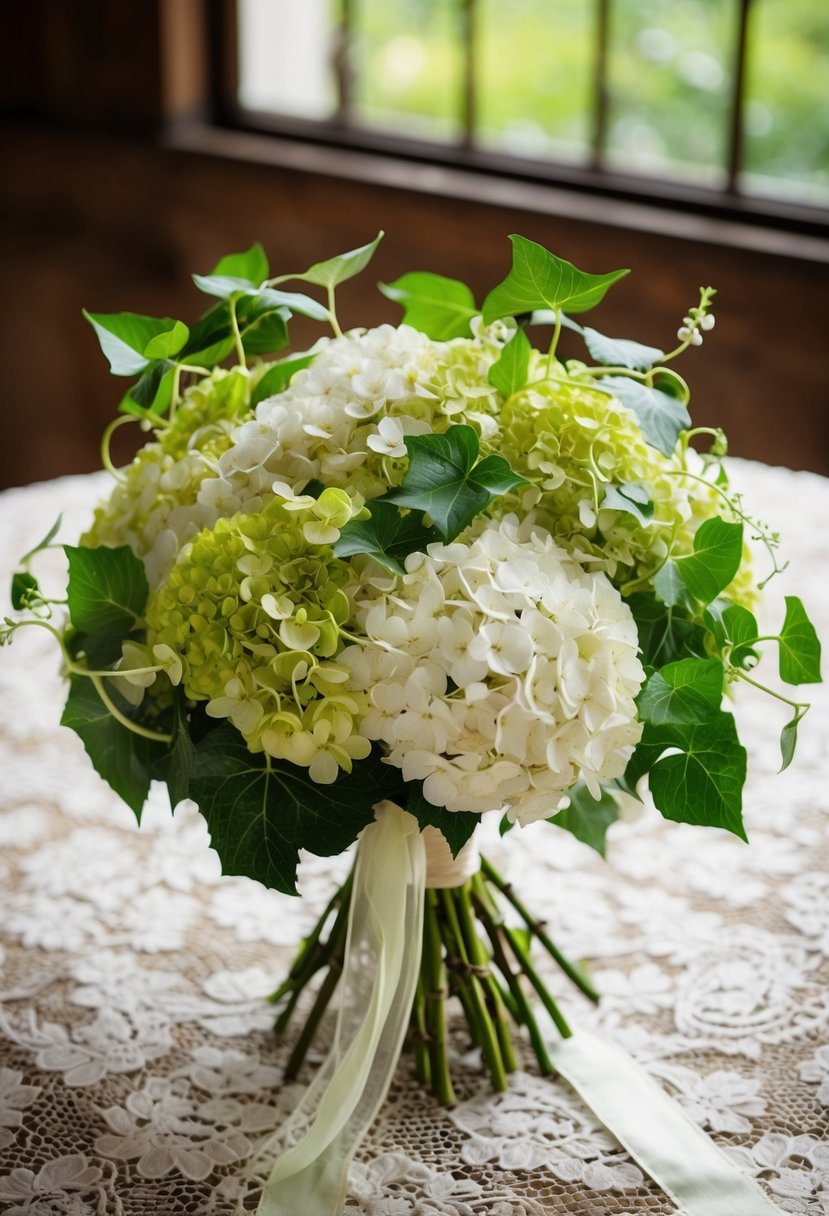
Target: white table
138	1071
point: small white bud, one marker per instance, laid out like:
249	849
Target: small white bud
696	338
708	322
685	334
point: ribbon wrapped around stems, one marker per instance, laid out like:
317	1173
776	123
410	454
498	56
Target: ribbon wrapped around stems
395	863
382	959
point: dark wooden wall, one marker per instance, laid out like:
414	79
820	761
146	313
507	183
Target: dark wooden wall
103	207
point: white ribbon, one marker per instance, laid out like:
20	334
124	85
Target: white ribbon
676	1153
382	960
442	869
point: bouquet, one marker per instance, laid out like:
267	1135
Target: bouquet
379	588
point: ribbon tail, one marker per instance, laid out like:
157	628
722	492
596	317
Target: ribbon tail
673	1151
382	960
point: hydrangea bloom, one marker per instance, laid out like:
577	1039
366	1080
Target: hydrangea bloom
500	672
253	608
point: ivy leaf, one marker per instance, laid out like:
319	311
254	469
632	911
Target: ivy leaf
25	591
510	371
153	391
344	266
278	376
587	818
799	646
176	766
718	552
166	345
733	625
669	587
131	341
211	338
788	742
294	301
456	827
633	497
262	325
539	280
687	691
665	633
700	779
124	760
443	480
621	352
252	265
107	589
388	536
439	307
259	814
661	416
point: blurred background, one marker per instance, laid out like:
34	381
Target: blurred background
685	139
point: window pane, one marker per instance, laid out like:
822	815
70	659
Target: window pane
407	64
534	65
284	57
786	141
671	82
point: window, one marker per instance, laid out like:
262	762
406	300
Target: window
722	101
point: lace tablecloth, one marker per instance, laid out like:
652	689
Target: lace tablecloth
138	1069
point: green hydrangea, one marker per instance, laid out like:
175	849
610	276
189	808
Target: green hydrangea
167	474
255	611
571	440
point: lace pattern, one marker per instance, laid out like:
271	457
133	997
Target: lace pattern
138	1071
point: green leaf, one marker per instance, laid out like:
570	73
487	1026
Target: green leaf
260	814
153	391
669	587
788	742
701	779
130	341
633	497
211	338
387	536
587	818
294	301
342	267
661	416
734	626
443	480
262	325
456	827
665	633
440	308
107	589
176	766
100	650
511	370
687	691
25	590
124	760
799	646
165	345
223	286
278	376
718	552
621	352
538	280
251	265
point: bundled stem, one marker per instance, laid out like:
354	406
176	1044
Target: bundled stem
470	952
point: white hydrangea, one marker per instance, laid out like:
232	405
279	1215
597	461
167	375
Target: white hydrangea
500	672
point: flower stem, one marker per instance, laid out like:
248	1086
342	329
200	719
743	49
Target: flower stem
434	974
336	942
536	927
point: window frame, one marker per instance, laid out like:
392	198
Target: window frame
592	180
